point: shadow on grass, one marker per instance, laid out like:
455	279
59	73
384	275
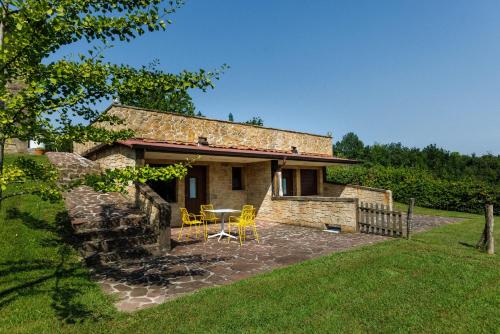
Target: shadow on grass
62	278
467	244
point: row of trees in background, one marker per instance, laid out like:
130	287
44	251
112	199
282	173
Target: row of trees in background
438	161
466	195
435	177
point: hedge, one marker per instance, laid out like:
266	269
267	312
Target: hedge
466	195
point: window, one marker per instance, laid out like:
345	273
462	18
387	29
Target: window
237	178
309	182
166	189
192	187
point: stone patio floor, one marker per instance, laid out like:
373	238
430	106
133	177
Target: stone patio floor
194	264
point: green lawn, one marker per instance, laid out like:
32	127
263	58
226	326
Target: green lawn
435	283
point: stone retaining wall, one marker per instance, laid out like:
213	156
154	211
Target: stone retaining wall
317	212
72	166
158	212
364	194
186	129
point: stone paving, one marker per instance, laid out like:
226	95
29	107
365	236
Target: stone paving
195	264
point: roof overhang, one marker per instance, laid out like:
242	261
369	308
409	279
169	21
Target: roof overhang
154	148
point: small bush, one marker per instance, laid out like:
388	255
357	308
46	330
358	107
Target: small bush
465	195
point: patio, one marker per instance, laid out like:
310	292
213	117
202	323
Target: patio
195	264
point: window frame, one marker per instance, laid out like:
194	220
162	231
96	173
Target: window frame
241	179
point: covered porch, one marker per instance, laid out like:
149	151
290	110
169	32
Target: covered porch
231	178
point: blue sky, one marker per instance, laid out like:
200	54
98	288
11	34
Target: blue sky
416	72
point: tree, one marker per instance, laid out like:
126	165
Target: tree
256	120
161	98
54	91
350	146
230	118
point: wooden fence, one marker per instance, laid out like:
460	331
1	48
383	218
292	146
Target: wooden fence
378	219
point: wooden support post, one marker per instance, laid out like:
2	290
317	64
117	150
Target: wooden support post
279	177
409	218
139	157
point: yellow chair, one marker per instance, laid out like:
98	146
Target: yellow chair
250	222
191	219
239	222
208	216
245	208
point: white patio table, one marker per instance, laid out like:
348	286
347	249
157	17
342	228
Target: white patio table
222	213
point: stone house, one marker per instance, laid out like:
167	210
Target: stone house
280	172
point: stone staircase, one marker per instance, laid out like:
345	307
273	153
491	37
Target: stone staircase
108	226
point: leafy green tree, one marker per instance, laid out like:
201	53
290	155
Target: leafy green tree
440	162
256	120
350	146
161	98
230	118
53	91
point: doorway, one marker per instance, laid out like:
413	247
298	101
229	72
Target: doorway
196	188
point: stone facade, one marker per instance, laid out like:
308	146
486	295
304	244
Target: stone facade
186	129
334	204
364	194
115	157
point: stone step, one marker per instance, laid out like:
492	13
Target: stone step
136	218
115	232
132	254
117	244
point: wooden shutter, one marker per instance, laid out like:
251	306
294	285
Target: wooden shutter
309	182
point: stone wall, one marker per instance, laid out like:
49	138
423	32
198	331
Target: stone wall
14	145
158	213
316	212
186	129
364	194
115	157
72	166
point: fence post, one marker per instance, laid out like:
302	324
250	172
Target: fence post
490	241
487	241
409	218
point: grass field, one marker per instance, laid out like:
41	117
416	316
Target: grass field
434	283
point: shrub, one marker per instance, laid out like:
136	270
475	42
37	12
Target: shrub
465	195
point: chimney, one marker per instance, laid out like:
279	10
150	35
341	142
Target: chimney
202	141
